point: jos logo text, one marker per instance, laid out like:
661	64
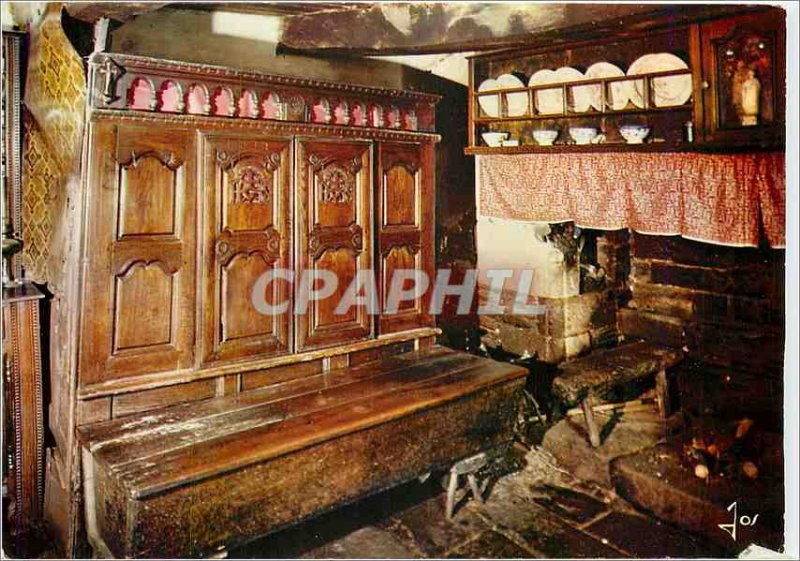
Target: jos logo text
743	520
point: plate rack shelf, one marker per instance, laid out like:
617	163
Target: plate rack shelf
578	149
705	121
567	88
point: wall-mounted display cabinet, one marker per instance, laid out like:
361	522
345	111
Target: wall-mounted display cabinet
708	84
744	78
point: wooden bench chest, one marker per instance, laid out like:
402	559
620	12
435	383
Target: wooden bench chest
194	478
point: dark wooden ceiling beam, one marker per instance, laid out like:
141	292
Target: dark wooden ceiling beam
268	8
120	11
444	28
123	11
361	29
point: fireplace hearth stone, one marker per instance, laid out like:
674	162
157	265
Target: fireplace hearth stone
568	441
655	481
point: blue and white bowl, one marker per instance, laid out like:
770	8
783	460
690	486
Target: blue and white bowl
545	137
634	134
495	139
583	135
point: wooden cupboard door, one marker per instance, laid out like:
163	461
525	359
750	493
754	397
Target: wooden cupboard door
405	199
744	69
334	234
247	237
139	299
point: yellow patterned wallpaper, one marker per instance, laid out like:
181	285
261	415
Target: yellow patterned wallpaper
55	98
41	179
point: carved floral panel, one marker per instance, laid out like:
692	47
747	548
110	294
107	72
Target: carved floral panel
251	185
337	185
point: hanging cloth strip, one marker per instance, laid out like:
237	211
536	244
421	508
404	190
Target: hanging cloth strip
713	198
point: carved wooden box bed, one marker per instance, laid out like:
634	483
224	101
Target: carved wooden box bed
197	422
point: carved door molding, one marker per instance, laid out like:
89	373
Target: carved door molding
334	233
404	199
246	235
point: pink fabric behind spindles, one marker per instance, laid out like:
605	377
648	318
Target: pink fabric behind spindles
358	117
222	102
320	112
270	108
375	116
141	95
340	116
196	100
169	97
392	117
247	105
409	120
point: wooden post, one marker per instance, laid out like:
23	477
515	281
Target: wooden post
662	393
23	365
472	107
452	487
591	425
476	490
101	37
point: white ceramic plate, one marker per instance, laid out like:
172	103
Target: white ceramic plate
617	94
518	101
489	103
668	91
581	95
548	102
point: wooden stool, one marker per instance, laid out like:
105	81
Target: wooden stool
469	467
581	380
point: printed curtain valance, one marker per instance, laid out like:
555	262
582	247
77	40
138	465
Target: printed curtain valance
728	199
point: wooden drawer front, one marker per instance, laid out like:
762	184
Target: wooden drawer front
158	398
196	519
246	235
334	234
139	299
378	353
404	200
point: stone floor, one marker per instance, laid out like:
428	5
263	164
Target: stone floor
539	511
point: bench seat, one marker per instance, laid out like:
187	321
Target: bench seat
600	371
196	478
580	381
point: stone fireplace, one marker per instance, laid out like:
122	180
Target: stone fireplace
719	301
578	279
611	240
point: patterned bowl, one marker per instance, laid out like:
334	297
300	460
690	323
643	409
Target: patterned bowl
634	134
583	135
494	139
545	137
